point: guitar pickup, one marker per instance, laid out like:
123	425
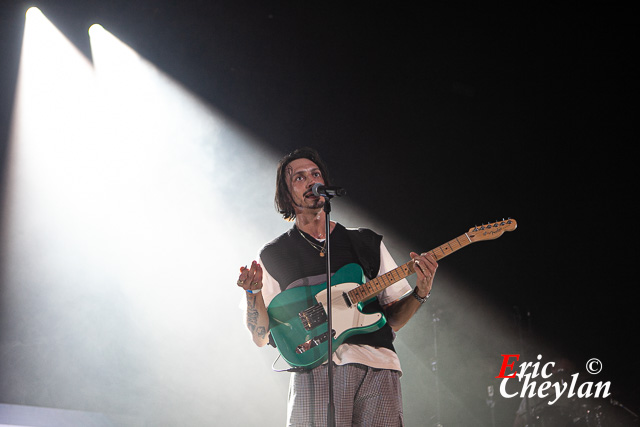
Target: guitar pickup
313	316
313	342
347	300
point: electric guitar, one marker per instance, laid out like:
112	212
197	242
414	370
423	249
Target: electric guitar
298	318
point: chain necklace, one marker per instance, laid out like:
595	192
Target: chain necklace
322	249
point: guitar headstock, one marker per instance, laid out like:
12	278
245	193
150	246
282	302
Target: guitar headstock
491	231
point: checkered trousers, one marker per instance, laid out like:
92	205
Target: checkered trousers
363	396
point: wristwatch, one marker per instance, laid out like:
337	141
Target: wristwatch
418	297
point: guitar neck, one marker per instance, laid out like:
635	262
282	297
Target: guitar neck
373	287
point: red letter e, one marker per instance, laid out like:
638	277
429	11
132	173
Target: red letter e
505	365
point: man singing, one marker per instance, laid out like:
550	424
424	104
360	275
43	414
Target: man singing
367	370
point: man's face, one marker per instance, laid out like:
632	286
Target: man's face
301	175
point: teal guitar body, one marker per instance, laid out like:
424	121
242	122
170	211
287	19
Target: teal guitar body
298	318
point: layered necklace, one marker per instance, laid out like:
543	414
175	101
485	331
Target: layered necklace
320	248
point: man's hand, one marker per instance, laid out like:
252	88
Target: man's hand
250	279
398	313
257	319
425	266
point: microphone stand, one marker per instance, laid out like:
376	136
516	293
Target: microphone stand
331	407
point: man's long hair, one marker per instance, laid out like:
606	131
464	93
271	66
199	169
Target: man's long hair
283	201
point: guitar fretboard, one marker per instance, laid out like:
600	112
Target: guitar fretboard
373	287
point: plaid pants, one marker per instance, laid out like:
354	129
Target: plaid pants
363	396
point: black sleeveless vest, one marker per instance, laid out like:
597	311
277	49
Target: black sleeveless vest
292	261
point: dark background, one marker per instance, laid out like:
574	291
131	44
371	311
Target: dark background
437	116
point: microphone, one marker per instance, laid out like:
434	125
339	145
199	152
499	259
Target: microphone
327	191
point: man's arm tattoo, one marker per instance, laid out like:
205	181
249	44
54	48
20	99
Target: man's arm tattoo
252	314
252	319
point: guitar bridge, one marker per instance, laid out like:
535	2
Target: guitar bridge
313	342
313	316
